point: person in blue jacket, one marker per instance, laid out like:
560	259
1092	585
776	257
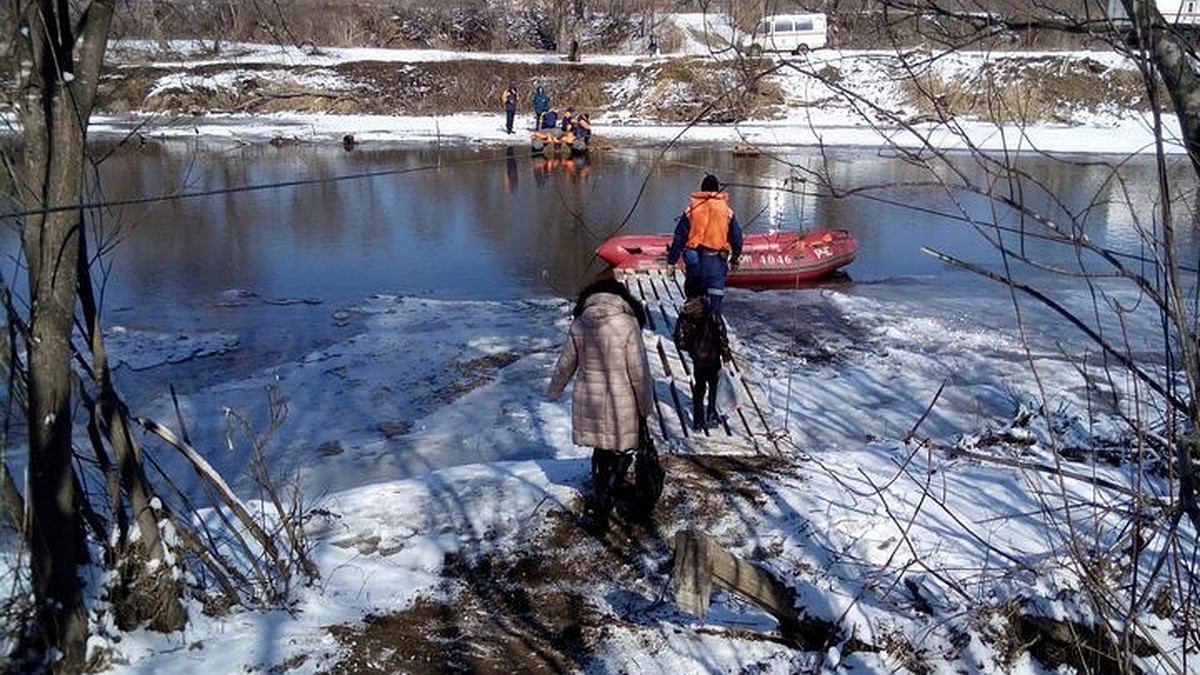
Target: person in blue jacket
709	238
541	103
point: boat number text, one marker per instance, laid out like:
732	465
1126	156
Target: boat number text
777	260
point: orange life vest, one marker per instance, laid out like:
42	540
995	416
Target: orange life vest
708	219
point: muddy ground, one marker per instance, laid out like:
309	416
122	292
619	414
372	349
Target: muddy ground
540	611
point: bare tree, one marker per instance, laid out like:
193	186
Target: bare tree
1171	57
58	352
61	52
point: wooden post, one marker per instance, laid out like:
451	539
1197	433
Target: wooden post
700	560
693	575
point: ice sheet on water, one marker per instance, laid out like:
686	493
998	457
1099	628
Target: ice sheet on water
139	349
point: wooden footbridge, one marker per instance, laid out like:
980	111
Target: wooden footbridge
751	429
700	560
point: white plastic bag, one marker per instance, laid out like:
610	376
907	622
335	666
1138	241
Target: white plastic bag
729	390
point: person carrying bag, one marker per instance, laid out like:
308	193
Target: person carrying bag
613	392
700	332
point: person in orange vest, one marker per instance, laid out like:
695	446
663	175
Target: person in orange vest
709	238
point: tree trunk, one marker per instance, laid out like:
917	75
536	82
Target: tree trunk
1175	63
58	99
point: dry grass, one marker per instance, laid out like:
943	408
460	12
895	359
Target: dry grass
507	615
1027	91
380	88
687	89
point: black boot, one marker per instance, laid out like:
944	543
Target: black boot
699	422
602	498
621	463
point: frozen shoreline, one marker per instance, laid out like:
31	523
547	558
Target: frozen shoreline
1126	136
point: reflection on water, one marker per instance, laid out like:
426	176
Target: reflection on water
303	227
336	225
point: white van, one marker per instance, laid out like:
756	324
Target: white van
1186	12
795	33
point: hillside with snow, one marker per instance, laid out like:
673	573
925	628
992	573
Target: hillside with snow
702	94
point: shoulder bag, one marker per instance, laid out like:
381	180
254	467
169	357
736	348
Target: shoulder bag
648	472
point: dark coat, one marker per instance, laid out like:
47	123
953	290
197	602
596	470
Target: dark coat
702	335
541	101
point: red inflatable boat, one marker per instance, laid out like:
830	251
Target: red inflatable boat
768	259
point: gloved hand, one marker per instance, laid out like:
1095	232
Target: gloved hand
735	263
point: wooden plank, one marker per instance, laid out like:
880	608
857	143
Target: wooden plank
667	403
676	401
692	577
753	583
744	430
667	412
700	561
754	416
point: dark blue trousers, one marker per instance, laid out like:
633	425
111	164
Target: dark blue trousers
711	269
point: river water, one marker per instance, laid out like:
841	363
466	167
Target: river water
266	244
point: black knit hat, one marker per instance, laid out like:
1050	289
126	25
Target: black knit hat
710	184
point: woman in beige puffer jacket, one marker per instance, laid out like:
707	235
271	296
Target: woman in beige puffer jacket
613	392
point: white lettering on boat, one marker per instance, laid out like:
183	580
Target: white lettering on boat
769	260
